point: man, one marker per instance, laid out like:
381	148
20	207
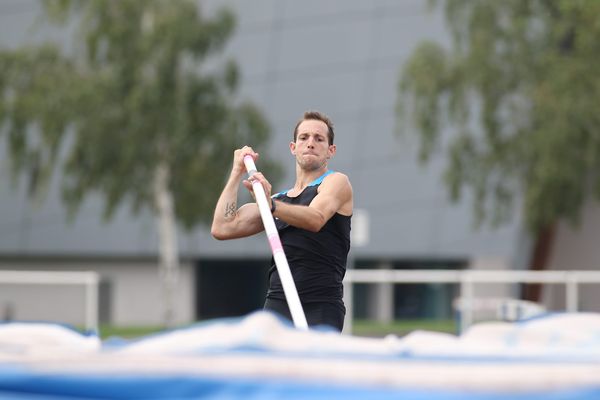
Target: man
313	220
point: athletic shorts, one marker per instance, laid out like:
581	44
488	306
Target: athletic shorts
321	313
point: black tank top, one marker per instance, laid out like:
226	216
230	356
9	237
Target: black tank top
317	260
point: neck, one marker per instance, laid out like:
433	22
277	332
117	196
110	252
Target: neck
304	177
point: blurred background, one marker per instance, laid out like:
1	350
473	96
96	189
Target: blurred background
468	131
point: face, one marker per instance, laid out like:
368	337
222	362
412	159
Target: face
311	147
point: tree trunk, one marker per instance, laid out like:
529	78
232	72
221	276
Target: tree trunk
539	261
169	260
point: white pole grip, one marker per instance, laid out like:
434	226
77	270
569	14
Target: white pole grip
283	268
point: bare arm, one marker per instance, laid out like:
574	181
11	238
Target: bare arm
335	196
229	221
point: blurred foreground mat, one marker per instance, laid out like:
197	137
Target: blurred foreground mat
262	357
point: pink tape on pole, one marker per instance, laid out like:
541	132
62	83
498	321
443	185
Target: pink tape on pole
275	243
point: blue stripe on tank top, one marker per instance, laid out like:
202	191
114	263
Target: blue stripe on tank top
313	183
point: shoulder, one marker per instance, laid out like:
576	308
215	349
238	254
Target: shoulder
336	190
337	178
337	181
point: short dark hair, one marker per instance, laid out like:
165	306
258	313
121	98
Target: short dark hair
318	116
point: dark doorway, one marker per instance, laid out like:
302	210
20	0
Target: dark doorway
228	288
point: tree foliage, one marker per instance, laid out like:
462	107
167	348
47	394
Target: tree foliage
517	92
143	84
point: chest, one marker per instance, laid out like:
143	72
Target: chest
303	198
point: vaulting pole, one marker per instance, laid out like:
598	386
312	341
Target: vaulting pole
283	268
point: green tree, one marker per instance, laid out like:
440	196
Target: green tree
518	87
142	116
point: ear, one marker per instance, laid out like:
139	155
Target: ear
293	148
331	151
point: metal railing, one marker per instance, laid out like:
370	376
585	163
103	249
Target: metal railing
467	279
88	279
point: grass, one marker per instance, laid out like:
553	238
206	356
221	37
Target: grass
359	328
401	327
128	332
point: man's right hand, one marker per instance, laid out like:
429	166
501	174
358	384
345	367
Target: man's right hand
238	159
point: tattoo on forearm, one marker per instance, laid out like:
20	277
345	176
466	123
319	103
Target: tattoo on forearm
230	210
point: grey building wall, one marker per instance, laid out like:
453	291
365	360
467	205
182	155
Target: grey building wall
341	57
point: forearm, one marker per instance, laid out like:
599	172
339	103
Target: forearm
227	205
303	217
